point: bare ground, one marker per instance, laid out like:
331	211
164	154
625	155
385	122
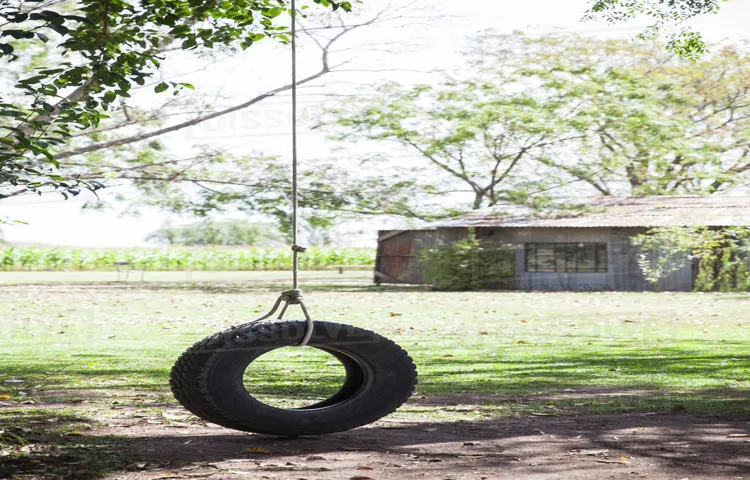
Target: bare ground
676	445
661	446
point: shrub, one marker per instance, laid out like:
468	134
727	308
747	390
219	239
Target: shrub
722	256
468	265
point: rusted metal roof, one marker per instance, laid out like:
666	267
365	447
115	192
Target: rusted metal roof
656	211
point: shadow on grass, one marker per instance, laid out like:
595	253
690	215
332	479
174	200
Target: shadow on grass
51	444
690	378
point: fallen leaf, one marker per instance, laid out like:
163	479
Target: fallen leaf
259	450
5	397
448	356
522	342
364	467
394	314
74	433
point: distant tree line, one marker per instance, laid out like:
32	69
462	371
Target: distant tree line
226	233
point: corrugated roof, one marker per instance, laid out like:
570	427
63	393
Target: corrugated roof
657	211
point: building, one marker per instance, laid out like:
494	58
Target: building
584	248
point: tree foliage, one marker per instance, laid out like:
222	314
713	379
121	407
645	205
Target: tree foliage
722	255
539	118
227	233
474	131
653	124
468	264
106	47
686	42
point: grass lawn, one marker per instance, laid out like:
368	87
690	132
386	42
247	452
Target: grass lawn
74	351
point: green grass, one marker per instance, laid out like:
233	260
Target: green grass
480	355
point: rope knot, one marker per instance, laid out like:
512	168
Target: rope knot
292	297
299	249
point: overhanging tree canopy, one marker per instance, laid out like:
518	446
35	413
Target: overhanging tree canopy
687	42
106	47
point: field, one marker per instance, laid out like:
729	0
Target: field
180	258
512	385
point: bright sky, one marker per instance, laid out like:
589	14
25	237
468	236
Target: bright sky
422	47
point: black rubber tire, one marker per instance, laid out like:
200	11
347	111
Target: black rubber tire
208	379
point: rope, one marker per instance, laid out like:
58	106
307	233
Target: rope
296	249
293	296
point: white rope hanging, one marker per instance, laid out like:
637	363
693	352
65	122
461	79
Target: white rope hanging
296	249
293	296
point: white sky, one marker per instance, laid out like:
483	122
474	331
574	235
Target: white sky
423	47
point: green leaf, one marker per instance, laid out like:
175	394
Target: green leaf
61	29
273	12
17	34
161	87
189	43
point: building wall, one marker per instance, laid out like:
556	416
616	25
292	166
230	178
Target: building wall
622	268
397	259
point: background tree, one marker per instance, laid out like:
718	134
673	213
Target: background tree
475	136
227	233
542	117
654	124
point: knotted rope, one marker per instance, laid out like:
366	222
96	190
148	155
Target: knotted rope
293	296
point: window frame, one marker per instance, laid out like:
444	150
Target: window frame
561	254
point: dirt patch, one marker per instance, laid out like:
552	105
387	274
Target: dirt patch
569	394
668	446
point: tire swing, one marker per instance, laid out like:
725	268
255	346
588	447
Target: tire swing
207	379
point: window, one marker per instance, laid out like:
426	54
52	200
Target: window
566	257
